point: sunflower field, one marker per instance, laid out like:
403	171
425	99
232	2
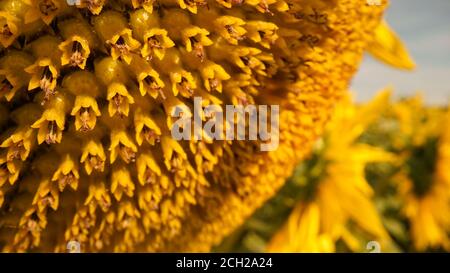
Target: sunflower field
380	173
88	89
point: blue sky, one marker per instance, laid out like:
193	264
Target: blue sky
424	26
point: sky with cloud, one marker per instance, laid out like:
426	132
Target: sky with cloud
424	26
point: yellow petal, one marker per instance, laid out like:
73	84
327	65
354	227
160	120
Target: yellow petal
388	48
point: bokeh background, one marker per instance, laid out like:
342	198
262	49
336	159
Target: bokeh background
424	27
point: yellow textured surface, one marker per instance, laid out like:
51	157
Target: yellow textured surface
87	153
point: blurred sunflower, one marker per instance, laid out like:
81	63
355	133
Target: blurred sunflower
424	180
338	199
412	193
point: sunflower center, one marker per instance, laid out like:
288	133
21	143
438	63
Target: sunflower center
66	180
3	171
233	33
154	42
121	46
153	85
86	223
213	83
245	60
119	103
421	166
150	176
198	48
150	135
16	150
77	56
48	200
318	18
47	6
265	7
185	87
94	3
51	132
32	225
242	100
104	203
194	3
237	2
5	86
6	31
85	118
46	83
96	162
311	40
314	171
177	163
127	154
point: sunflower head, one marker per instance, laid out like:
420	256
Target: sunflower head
92	87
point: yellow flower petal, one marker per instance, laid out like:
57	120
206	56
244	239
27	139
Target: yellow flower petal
388	48
93	156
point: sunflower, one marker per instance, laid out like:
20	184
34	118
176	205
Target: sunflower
424	182
312	225
89	86
337	198
412	192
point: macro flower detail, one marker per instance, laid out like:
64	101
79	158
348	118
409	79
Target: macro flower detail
230	28
67	174
87	96
46	10
113	30
93	157
79	40
44	76
94	6
121	183
86	112
9	29
146	129
75	52
51	124
146	4
12	74
19	144
119	100
146	27
149	80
